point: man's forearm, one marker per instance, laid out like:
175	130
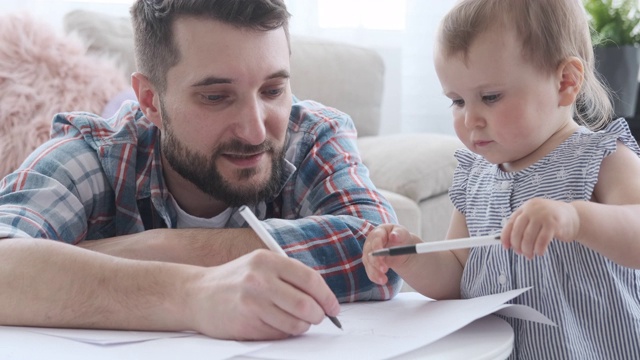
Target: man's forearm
52	284
45	283
201	247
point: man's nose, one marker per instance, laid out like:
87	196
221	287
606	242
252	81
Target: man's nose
250	125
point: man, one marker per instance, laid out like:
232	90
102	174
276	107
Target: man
150	196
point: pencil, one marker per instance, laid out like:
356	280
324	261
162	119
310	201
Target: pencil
271	243
439	246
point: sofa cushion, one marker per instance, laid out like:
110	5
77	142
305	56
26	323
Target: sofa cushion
407	210
418	166
347	77
322	70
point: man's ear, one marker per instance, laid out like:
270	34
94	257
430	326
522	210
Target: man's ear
147	97
571	75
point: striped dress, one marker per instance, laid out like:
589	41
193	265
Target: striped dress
594	301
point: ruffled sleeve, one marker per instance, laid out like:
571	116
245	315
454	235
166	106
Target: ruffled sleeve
458	189
602	144
616	130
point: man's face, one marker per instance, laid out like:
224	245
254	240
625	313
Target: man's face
226	109
202	171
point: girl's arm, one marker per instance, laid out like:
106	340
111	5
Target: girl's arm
444	268
610	224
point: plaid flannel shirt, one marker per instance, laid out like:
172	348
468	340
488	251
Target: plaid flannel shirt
98	178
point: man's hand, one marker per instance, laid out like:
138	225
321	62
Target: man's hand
259	296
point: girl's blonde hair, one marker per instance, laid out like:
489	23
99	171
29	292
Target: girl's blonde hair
550	31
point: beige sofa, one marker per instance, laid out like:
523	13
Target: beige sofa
413	171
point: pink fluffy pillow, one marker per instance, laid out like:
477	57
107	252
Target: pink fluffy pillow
43	73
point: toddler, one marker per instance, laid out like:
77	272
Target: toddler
546	170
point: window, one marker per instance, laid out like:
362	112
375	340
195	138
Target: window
365	14
102	1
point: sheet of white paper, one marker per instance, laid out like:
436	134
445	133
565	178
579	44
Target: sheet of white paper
196	347
104	337
372	330
382	330
524	312
16	343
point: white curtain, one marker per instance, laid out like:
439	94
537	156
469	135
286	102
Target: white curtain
413	100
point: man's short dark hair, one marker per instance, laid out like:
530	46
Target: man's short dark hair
155	48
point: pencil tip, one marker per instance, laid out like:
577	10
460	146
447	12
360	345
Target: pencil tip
336	322
382	252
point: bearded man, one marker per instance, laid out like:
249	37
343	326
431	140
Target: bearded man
150	196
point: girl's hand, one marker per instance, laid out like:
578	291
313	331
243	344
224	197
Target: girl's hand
534	224
385	236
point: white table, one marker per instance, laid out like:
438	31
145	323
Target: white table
487	338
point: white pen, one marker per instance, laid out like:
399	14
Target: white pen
263	234
271	243
439	246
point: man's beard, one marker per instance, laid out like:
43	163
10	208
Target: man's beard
202	171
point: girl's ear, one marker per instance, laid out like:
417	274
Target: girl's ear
571	75
147	97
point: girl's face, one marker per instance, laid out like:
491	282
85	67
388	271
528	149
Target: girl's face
504	108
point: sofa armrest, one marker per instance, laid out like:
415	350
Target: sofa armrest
407	211
417	166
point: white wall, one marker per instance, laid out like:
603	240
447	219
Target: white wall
413	101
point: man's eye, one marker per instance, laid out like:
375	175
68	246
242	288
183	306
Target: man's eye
491	98
457	102
274	92
214	98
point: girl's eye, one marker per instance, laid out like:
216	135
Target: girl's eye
491	98
457	102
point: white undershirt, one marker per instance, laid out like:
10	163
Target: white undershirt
186	221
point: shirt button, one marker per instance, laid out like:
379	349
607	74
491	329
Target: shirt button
502	279
503	222
505	185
